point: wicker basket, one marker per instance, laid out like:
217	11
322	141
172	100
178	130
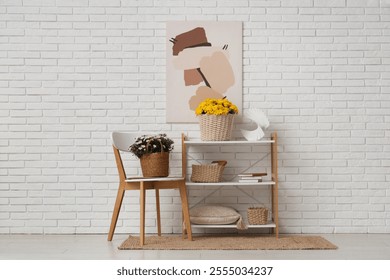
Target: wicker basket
208	173
216	128
257	215
155	164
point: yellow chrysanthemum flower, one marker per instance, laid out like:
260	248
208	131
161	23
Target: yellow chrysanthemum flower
213	106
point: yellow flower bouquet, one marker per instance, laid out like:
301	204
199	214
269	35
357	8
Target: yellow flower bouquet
216	119
213	106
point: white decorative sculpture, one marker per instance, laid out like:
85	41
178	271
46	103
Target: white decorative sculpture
262	122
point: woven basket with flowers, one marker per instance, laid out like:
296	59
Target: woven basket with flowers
153	152
216	119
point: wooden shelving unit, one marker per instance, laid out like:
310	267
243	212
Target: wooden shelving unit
273	224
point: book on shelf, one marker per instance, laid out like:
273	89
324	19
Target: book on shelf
250	180
251	175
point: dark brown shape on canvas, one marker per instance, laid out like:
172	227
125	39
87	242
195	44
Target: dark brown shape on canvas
192	77
190	39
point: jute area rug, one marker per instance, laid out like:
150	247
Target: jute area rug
229	242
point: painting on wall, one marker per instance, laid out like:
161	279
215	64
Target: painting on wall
204	60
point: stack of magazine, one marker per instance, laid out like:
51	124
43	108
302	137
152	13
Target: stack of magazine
251	177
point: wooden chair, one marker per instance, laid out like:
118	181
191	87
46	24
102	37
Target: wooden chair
121	142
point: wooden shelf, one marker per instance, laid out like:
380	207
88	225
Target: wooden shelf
268	225
273	143
241	142
231	184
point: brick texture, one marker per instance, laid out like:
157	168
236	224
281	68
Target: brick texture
73	71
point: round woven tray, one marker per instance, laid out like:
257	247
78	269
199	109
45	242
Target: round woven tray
257	215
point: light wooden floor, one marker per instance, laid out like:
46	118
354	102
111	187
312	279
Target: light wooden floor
79	247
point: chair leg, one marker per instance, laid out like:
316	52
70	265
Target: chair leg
158	212
183	227
142	214
115	214
186	212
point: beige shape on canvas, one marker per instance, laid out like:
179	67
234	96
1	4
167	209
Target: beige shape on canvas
217	71
190	58
202	93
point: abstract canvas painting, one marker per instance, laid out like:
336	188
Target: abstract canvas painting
204	60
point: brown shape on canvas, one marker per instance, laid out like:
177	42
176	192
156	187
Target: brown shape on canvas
192	77
217	70
190	39
202	93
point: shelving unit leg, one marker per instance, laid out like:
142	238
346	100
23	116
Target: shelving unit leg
274	169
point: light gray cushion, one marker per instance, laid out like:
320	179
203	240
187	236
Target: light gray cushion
213	215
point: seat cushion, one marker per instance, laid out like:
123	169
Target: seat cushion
213	215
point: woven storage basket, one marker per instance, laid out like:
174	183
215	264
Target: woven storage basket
257	215
155	164
216	128
208	173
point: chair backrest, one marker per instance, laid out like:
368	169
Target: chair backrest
123	140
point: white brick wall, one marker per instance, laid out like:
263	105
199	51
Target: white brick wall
73	71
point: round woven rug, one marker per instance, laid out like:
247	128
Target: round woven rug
229	242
